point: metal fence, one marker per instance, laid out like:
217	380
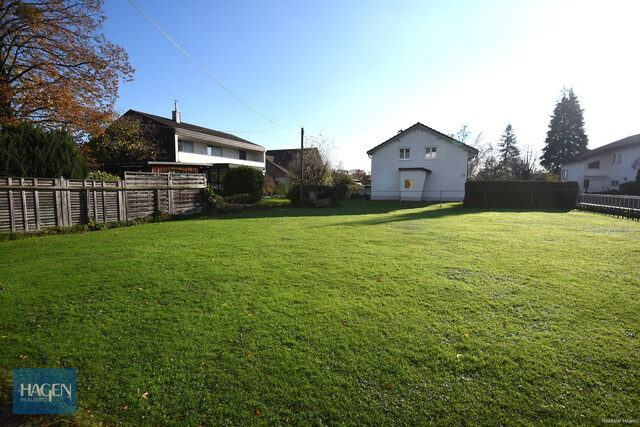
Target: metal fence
35	203
628	206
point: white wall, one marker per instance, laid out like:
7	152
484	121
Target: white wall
230	155
615	165
448	170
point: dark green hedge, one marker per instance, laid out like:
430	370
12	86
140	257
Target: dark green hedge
521	194
244	180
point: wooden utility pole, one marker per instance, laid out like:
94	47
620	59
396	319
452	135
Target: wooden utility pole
301	162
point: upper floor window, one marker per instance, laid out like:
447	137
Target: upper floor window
242	155
430	153
214	151
565	173
616	158
185	146
405	153
594	165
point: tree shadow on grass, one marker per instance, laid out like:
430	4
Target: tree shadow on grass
380	211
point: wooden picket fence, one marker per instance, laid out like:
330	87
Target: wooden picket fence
28	204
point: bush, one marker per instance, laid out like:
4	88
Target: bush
28	150
212	200
521	194
347	191
269	185
322	192
244	180
102	176
629	188
240	199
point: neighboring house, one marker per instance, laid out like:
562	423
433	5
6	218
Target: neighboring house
275	171
419	163
278	162
191	148
604	168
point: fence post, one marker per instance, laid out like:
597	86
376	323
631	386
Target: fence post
87	200
104	204
23	199
57	201
170	192
531	200
36	203
11	212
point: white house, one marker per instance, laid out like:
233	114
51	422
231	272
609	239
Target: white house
191	148
419	163
605	168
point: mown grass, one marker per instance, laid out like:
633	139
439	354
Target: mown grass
369	313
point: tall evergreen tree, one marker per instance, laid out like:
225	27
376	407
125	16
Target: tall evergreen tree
29	150
566	137
509	153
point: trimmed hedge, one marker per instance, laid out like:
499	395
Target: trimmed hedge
521	194
244	180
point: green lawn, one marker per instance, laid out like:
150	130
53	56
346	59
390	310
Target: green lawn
374	313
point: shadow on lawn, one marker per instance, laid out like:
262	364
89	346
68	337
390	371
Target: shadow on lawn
403	211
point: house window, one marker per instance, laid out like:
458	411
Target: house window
430	153
408	183
214	151
594	165
618	158
615	183
185	146
242	155
405	153
565	173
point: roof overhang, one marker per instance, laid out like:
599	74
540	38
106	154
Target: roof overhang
428	171
428	129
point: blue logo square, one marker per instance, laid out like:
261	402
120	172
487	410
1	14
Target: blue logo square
45	391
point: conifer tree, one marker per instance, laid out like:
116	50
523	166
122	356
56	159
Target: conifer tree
509	153
566	137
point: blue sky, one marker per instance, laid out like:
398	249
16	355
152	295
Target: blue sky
356	72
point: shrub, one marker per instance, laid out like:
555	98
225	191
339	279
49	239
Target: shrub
212	200
102	176
629	188
28	150
244	180
521	194
269	185
322	192
346	191
240	199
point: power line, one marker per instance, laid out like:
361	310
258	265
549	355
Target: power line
206	72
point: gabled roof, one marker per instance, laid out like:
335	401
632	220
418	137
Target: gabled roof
623	143
428	129
270	160
193	130
284	157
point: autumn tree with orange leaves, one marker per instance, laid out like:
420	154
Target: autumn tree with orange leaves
56	66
